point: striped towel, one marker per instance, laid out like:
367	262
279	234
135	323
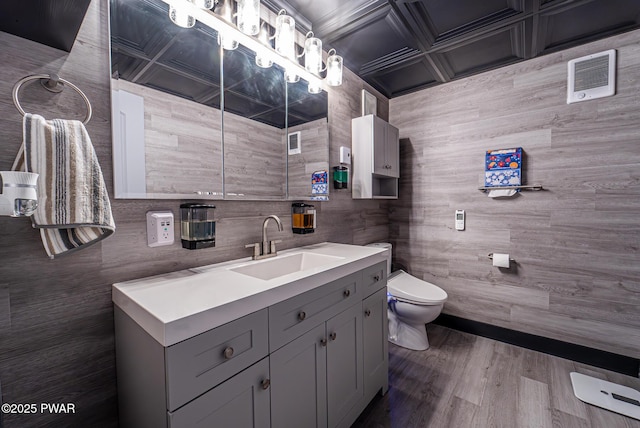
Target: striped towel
73	205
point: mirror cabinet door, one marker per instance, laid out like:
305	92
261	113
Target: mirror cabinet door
254	128
176	135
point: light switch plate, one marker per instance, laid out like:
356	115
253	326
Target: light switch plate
159	228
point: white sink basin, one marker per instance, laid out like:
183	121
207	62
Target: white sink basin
285	265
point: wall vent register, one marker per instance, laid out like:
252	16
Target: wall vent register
592	76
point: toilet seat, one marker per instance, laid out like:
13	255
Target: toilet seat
407	288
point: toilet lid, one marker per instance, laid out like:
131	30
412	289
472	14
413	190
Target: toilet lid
406	287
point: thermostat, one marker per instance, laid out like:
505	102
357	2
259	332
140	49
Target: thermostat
459	219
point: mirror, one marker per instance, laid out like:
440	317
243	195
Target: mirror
167	82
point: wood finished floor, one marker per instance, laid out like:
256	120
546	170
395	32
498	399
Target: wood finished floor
470	381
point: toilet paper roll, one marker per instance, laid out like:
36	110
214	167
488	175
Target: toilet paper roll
501	260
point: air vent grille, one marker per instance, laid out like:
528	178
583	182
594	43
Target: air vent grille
592	73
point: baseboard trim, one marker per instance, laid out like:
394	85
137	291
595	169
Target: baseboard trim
582	354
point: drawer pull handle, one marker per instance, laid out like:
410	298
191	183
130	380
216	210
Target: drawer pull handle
367	313
376	278
332	336
228	352
347	293
302	315
323	341
265	383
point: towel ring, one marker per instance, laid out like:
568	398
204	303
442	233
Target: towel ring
52	83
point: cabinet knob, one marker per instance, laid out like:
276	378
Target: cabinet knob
265	383
323	341
347	293
376	278
228	352
302	315
332	336
367	312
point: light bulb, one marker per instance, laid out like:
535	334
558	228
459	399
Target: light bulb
313	55
285	36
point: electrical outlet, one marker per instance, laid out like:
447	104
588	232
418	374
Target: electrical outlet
159	228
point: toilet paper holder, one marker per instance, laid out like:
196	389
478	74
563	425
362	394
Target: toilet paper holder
491	257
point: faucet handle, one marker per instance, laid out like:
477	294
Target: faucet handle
256	249
272	245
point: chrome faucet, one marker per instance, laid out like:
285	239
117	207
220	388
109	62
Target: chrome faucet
266	248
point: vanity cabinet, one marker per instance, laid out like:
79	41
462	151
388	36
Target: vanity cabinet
313	360
376	158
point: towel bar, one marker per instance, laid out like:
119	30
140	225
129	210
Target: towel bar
52	83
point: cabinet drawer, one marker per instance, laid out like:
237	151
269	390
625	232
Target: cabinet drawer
241	402
374	278
202	362
294	317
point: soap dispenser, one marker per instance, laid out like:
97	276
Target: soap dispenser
198	228
303	218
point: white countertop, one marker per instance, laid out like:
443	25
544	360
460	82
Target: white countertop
176	306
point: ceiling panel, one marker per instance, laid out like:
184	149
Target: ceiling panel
483	54
588	20
397	46
404	79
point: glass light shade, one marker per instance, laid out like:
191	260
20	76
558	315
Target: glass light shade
262	61
227	43
226	12
313	55
291	77
285	36
180	17
334	70
203	4
314	88
249	16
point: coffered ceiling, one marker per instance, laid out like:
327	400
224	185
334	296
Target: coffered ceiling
400	46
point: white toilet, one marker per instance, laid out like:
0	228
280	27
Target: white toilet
412	304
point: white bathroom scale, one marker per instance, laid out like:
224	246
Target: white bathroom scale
608	395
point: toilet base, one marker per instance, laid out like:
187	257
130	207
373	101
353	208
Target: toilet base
408	336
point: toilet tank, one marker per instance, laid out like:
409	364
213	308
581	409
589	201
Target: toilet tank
388	247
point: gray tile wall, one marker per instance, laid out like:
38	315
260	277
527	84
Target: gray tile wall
577	277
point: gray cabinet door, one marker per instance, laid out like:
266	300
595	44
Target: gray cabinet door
376	347
241	402
392	151
299	382
344	363
379	146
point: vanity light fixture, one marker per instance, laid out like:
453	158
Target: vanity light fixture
186	12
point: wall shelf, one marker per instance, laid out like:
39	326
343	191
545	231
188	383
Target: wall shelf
530	187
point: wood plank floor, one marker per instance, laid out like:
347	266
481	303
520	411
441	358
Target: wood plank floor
465	380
